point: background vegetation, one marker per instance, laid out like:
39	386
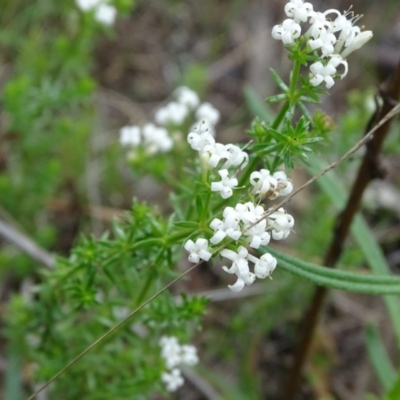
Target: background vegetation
69	84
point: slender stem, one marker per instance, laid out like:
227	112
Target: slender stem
278	119
281	115
145	288
294	80
204	215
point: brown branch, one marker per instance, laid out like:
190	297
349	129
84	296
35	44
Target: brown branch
368	171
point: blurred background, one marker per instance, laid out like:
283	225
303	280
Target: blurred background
68	85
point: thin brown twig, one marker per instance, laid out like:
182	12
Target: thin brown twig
369	170
365	139
27	245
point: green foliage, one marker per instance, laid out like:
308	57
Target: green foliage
48	103
86	294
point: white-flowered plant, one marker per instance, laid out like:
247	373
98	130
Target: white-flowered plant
104	12
243	224
152	138
176	355
224	198
158	137
330	35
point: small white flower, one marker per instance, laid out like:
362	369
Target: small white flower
240	267
264	266
173	379
105	14
324	73
263	182
224	187
358	42
281	223
224	228
285	187
348	29
325	42
257	236
229	227
238	157
87	5
174	355
170	351
187	97
217	152
298	10
208	113
319	24
287	31
248	213
156	139
130	136
173	113
198	141
198	250
189	355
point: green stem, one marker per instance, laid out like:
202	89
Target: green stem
253	163
168	240
145	287
292	98
146	242
293	82
282	112
204	215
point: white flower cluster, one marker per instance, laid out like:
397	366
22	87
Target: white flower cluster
156	139
241	222
241	219
153	138
217	155
175	355
332	33
186	103
103	12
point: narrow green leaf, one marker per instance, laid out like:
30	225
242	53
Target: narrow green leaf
199	205
311	140
380	361
186	224
305	112
118	229
279	81
308	99
109	275
276	98
336	273
394	393
336	279
13	385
